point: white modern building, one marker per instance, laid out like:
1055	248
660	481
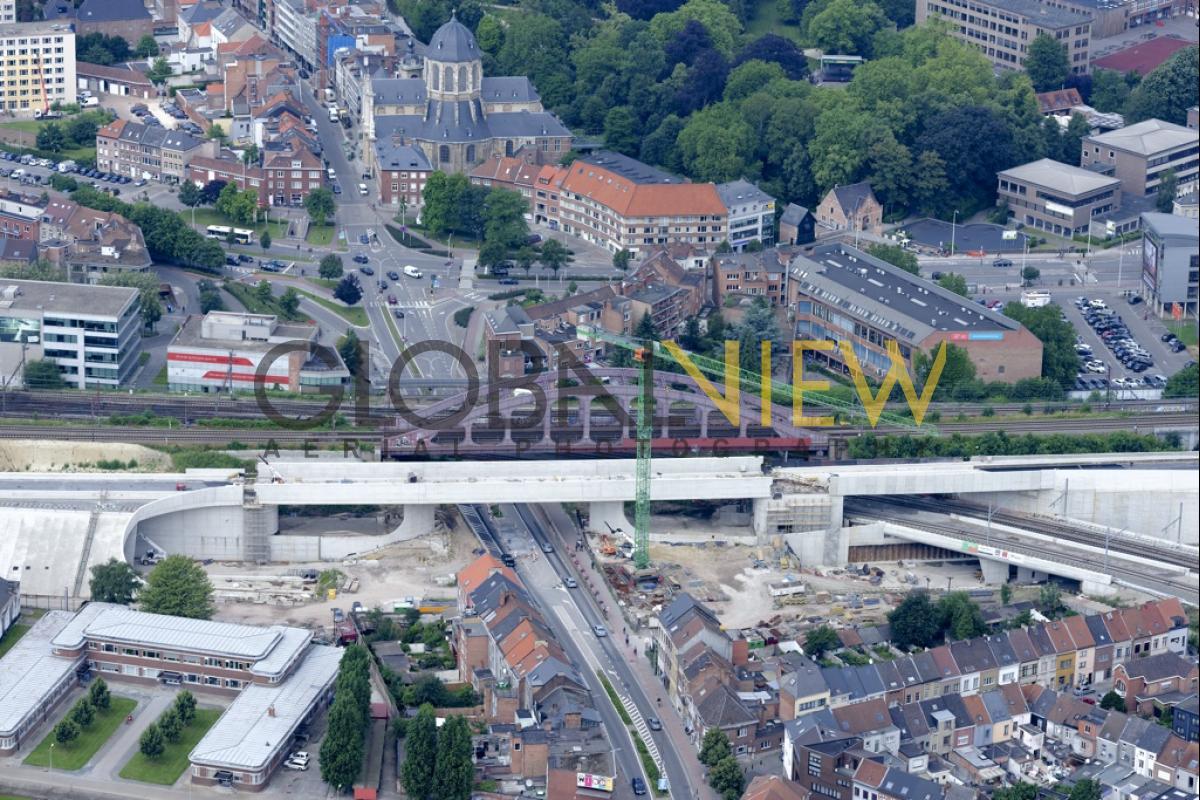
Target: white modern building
751	213
226	351
296	29
37	64
93	333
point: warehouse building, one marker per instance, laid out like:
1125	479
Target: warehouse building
33	681
225	351
92	333
841	294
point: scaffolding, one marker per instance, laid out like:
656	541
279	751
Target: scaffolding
256	528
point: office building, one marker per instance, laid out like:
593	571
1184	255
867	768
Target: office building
751	213
842	294
226	351
93	333
619	203
1004	29
1057	198
1140	154
1170	264
37	61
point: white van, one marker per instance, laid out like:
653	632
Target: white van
412	271
333	114
362	189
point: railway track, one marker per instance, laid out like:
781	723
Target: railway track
1059	530
150	435
1124	572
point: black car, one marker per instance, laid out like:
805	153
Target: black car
361	258
1167	337
508	281
393	274
366	270
1002	263
231	261
1134	299
245	259
1178	346
638	785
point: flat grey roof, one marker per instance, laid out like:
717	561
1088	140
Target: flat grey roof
116	623
1060	177
887	297
29	671
1171	226
260	722
1039	14
67	298
189	336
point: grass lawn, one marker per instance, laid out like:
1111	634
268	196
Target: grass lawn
11	637
324	283
167	768
161	378
26	125
74	755
1185	330
766	20
352	314
321	235
210	216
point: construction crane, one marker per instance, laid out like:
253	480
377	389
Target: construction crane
643	355
752	381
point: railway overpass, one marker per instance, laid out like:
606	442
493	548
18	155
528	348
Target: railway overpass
56	526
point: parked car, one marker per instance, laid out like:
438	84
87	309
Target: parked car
338	615
508	281
639	786
1002	263
365	270
361	258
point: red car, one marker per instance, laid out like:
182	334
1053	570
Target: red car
392	300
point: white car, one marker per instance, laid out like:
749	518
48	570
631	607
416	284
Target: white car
1096	366
300	757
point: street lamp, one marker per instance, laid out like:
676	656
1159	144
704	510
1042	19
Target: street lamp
52	756
953	230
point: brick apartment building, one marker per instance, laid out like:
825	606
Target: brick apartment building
148	151
403	171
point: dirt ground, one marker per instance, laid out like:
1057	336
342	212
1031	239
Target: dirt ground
409	569
22	455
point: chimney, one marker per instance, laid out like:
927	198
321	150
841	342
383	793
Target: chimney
271	710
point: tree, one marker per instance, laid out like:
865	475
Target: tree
490	34
146	47
727	778
66	732
525	257
915	622
1086	789
1030	274
974	142
491	254
1046	63
819	641
289	302
190	194
1050	601
170	725
51	137
775	49
961	616
98	694
43	374
330	267
320	205
1112	701
454	770
348	290
1018	791
179	587
211	191
348	349
1059	360
420	754
159	71
954	282
716	143
82	131
554	255
896	255
537	48
714	747
1184	383
149	304
621	132
151	742
83	713
1169	91
846	27
185	707
1005	594
957	370
622	258
504	218
1110	92
210	297
262	292
265	239
645	330
216	132
114	582
1164	201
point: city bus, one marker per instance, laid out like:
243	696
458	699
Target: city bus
223	232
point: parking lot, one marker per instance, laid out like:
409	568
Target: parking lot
1133	336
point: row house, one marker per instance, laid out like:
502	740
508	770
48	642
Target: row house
761	274
148	151
19	216
292	172
1156	682
402	172
227	168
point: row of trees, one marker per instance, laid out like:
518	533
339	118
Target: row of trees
437	761
83	713
724	773
79	131
169	239
349	718
169	727
999	443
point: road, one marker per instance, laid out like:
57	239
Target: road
1115	268
550	527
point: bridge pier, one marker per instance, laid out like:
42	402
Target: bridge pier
995	573
609	517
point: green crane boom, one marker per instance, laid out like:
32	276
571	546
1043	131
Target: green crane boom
645	424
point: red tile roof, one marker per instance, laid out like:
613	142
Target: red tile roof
1142	58
629	199
870	772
